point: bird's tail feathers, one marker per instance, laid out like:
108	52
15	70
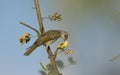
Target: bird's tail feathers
30	50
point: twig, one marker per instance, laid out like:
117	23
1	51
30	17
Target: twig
38	33
56	52
51	57
39	16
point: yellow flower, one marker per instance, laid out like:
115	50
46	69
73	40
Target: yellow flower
68	52
26	34
55	17
21	40
62	45
24	39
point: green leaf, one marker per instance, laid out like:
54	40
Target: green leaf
43	67
114	58
60	64
116	15
50	67
70	59
42	72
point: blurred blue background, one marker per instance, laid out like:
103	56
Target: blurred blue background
94	35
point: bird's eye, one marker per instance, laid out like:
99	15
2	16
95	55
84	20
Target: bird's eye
65	35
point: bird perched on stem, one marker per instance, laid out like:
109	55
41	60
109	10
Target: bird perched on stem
46	39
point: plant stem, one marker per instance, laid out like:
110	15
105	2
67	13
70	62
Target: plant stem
55	53
52	59
49	51
38	33
39	16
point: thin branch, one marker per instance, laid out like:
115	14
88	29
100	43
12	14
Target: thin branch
39	16
51	56
56	51
52	59
31	28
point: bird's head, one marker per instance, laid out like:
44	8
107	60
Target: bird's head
64	35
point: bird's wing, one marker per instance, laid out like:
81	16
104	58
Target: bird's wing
48	36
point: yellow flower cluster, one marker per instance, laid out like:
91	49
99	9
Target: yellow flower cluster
55	17
24	39
64	45
68	52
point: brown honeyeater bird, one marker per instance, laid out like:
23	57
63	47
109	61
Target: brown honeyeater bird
46	39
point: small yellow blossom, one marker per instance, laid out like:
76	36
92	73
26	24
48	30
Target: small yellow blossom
21	40
68	52
26	34
62	45
24	39
27	37
55	17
